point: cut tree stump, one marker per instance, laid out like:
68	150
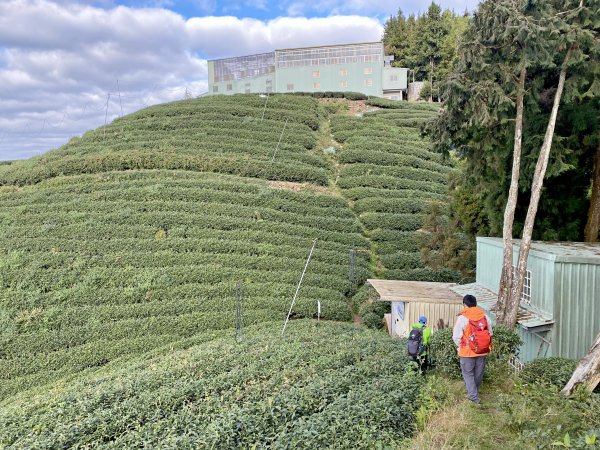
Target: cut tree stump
587	371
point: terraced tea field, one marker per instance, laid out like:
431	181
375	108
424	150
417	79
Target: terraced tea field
328	385
390	174
121	252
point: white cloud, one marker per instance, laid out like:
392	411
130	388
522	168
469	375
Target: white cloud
230	36
60	61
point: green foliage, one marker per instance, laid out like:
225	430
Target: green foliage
391	175
427	43
107	266
227	134
554	370
443	350
321	385
479	110
444	244
394	104
521	408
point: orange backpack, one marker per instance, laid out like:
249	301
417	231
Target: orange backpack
479	339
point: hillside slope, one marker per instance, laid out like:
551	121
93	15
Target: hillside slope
130	242
322	386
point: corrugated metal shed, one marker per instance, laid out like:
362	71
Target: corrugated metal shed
488	299
564	290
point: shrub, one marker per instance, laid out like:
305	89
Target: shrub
554	370
445	357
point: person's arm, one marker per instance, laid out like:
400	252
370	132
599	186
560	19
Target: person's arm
489	325
426	336
457	332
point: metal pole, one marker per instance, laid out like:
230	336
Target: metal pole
280	137
120	102
263	114
298	287
106	114
239	297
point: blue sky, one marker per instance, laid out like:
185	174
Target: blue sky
87	58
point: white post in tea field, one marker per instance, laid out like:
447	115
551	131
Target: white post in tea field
298	287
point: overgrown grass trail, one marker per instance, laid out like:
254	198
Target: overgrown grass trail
512	415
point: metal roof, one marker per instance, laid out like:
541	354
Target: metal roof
487	300
572	252
415	291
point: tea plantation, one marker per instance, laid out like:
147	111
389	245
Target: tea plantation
326	385
121	253
390	174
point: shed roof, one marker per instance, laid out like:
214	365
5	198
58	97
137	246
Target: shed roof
415	291
572	252
488	299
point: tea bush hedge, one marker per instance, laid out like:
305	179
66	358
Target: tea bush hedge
391	175
321	386
101	266
235	135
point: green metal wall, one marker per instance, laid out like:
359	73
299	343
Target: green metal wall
329	78
542	267
389	84
567	291
577	314
247	85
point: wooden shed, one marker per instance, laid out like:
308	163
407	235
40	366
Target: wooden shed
411	299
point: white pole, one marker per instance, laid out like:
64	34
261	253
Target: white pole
298	287
318	311
280	137
263	114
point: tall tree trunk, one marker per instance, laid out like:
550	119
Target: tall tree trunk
431	81
587	371
510	319
511	205
593	221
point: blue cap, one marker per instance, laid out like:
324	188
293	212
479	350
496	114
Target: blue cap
423	320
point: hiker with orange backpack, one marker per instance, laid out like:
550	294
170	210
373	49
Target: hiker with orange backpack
472	335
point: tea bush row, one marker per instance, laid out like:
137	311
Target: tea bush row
391	175
354	389
412	106
174	143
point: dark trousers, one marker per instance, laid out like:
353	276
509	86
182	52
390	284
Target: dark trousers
472	371
422	363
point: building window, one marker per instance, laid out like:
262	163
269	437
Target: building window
368	70
316	74
290	87
343	72
526	295
316	85
230	87
215	88
393	77
344	84
369	82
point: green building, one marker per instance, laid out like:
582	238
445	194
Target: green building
350	67
559	313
